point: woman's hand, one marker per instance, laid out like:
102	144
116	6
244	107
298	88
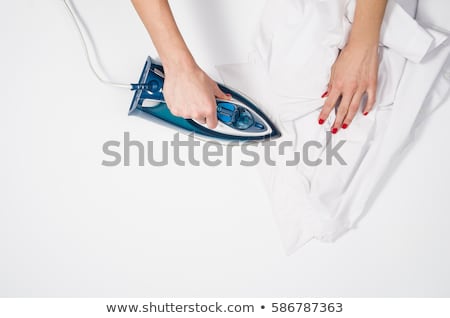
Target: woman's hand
355	71
353	75
190	93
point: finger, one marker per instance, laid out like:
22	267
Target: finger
330	102
326	93
178	113
211	115
200	120
211	122
219	94
371	99
342	112
353	108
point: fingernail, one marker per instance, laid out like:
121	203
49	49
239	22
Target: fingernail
228	95
334	131
366	113
344	126
321	121
325	94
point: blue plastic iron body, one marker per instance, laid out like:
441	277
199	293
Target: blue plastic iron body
239	118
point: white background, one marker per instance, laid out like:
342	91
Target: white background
70	227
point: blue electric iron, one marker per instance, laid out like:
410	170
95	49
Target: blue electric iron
239	119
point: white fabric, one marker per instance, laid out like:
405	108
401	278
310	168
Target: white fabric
288	71
434	13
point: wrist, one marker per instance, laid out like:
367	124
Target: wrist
363	43
182	60
364	35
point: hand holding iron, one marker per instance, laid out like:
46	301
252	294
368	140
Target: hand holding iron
190	93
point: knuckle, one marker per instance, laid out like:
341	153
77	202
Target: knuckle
352	85
327	106
341	111
352	110
210	113
325	113
363	85
373	80
354	106
349	117
338	84
351	114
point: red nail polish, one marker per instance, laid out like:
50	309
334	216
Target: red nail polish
366	113
334	131
321	121
325	94
344	126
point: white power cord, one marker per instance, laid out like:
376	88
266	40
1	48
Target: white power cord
77	21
